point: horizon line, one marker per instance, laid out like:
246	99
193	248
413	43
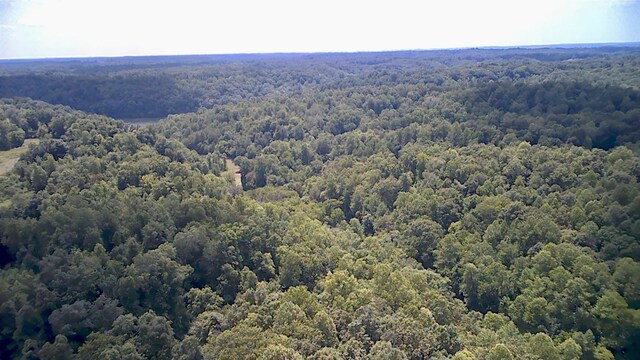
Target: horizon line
586	45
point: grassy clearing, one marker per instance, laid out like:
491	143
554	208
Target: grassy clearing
8	158
142	121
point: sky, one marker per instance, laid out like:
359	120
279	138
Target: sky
87	28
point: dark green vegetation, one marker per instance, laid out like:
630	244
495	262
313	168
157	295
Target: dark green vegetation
476	204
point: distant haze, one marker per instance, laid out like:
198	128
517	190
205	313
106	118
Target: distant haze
83	28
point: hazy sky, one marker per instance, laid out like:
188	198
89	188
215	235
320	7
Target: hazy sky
71	28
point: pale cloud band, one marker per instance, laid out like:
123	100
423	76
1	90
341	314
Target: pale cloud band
53	28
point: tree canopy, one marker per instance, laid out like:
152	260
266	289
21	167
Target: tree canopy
469	204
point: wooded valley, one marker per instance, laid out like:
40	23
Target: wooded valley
451	204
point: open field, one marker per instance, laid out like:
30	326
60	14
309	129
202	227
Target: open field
9	158
142	121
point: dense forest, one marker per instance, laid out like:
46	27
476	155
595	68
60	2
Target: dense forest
459	204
